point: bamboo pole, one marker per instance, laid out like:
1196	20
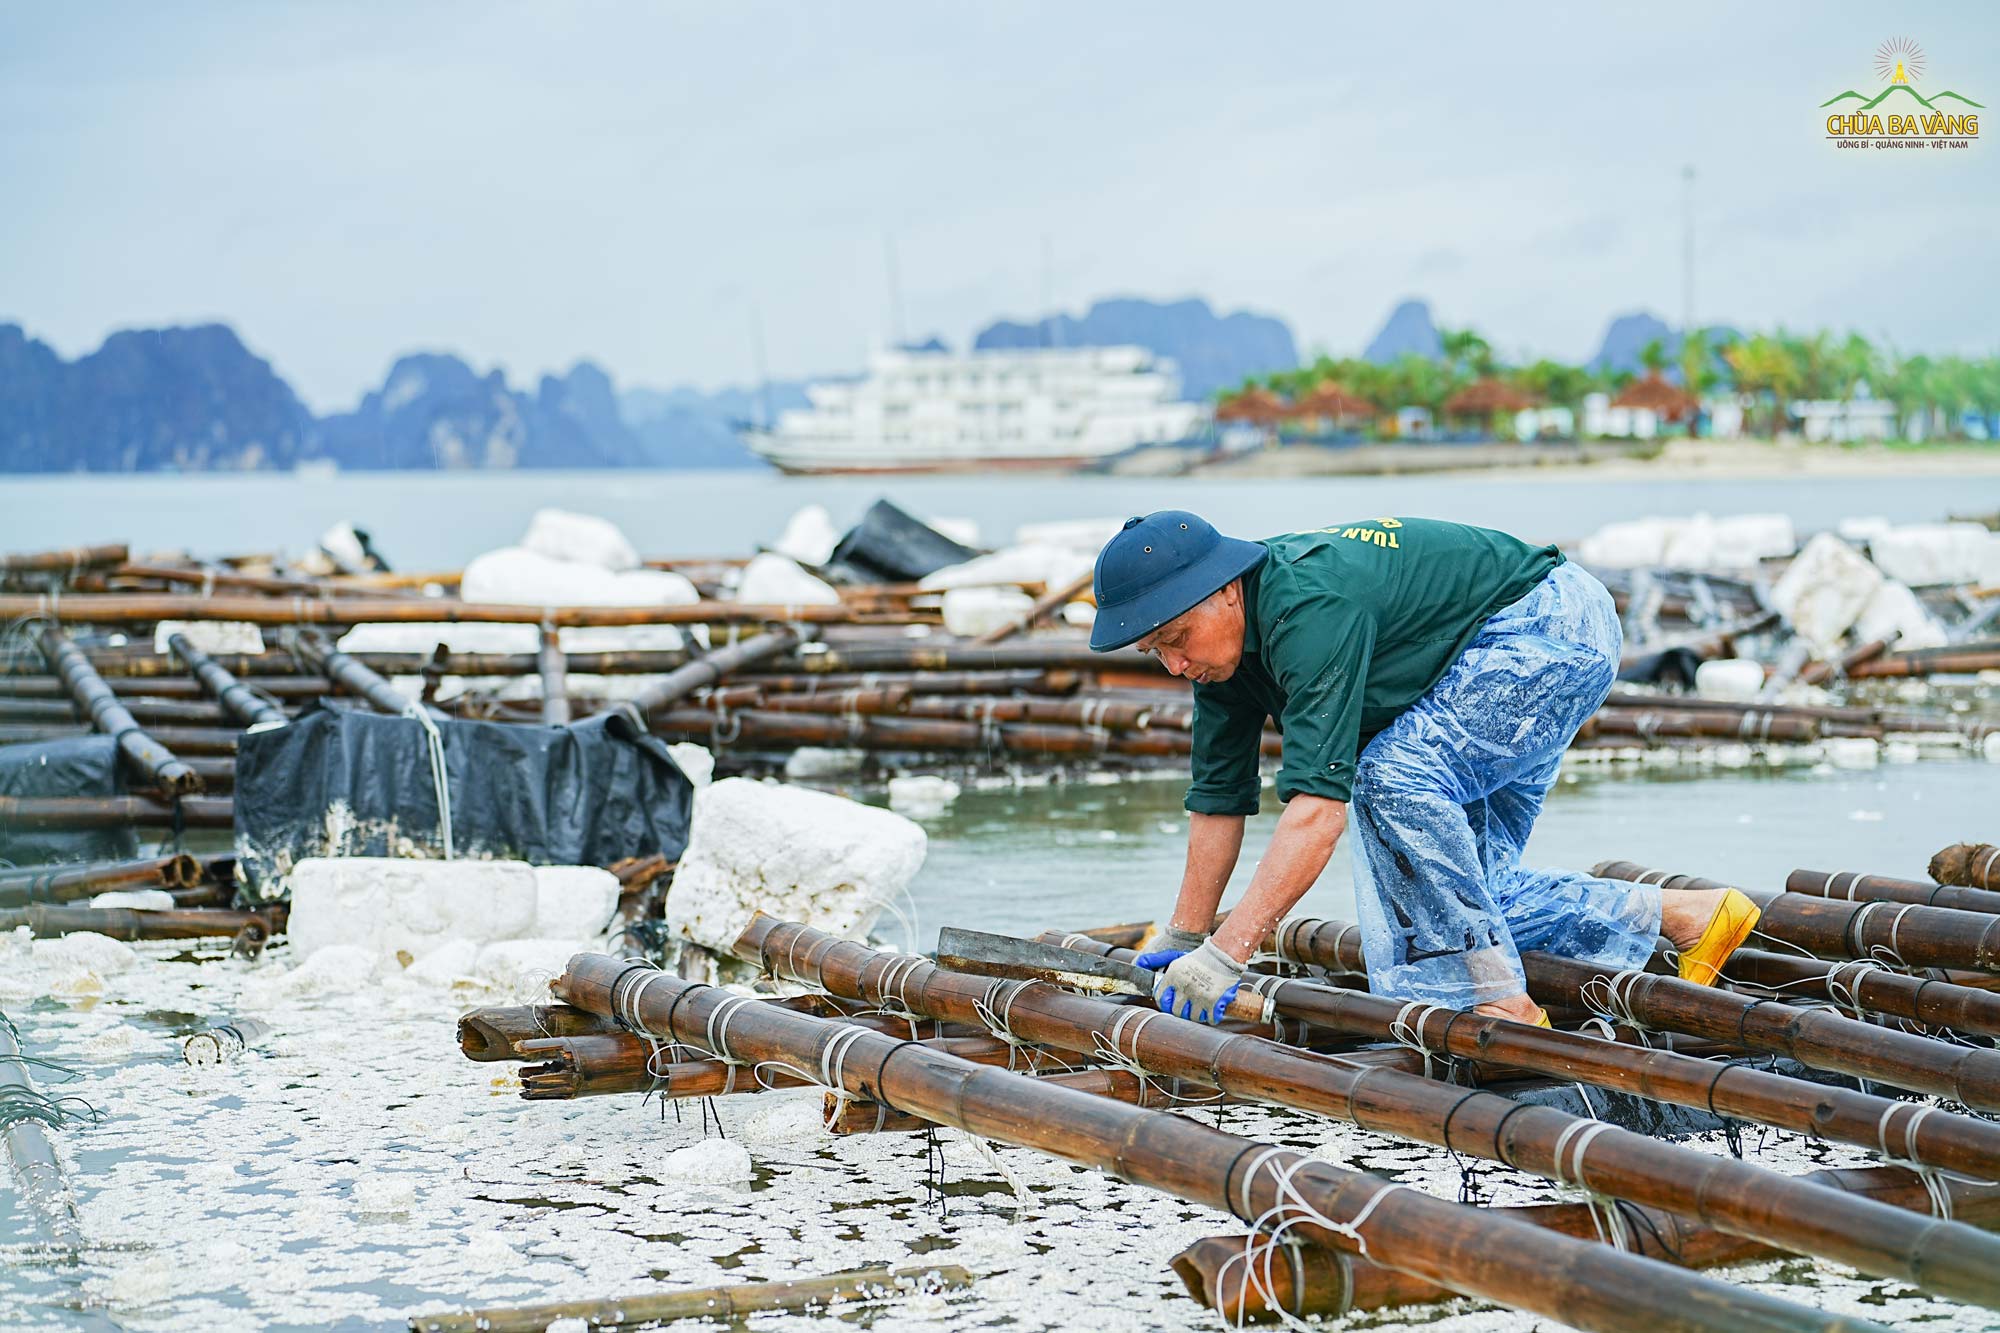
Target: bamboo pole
354	676
1733	1196
1813	1037
70	561
959	655
147	608
72	812
188	741
138	923
1959	1143
1868	987
710	668
735	1301
1959	659
62	884
230	693
1585	1285
1972	865
1002	682
59	711
143	755
1854	886
553	668
26	1116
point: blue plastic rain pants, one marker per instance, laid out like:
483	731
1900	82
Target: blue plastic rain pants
1445	796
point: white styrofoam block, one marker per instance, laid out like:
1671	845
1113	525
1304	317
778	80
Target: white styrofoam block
147	900
447	964
1895	616
809	536
526	967
211	636
1852	751
1736	542
920	794
1925	554
974	611
1080	614
813	761
1076	534
964	531
776	580
694	761
1638	543
423	636
1990	747
798	854
1733	678
1863	529
573	902
1051	566
389	905
583	538
516	576
1823	592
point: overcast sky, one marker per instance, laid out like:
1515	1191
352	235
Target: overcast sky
530	184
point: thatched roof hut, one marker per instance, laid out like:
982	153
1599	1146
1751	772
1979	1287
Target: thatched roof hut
1485	397
1330	399
1258	406
1669	402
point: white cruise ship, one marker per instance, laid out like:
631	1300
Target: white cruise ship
938	411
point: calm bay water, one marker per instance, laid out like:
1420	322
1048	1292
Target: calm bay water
433	521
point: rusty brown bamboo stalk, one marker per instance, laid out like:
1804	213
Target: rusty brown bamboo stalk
1813	1037
1733	1196
62	884
1960	659
46	921
1930	1002
147	608
188	741
231	694
152	762
960	655
497	1033
712	667
60	712
72	560
1854	886
1842	1115
350	673
1585	1285
846	1116
1028	680
71	812
1972	865
1753	727
752	727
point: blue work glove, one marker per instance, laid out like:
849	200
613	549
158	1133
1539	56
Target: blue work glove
1199	985
1168	945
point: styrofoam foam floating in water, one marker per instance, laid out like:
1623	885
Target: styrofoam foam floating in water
974	611
580	538
921	794
809	536
777	580
1732	678
797	854
1825	590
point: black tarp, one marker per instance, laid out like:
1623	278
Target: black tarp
82	766
342	782
889	546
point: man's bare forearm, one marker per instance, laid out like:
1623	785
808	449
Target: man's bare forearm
1299	850
1214	842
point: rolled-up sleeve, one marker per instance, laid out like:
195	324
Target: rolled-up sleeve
1319	655
1228	731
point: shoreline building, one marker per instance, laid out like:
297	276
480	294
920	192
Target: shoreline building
940	411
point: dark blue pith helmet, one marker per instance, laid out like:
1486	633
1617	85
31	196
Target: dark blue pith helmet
1158	567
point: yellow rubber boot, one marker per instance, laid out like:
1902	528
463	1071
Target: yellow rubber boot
1543	1021
1724	934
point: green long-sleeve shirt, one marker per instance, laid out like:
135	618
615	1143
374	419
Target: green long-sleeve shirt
1343	629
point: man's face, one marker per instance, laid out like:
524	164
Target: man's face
1204	644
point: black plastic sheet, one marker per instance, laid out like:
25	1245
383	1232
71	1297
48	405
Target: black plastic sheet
342	782
889	546
80	766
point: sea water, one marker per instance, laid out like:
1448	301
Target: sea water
353	1168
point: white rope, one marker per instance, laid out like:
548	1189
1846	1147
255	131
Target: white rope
1290	1209
1407	1031
1985	871
1604	1215
1886	952
440	779
1935	1181
1109	1049
1845	990
1610	997
994	1020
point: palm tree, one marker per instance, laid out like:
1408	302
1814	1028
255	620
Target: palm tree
1468	354
1765	365
1653	356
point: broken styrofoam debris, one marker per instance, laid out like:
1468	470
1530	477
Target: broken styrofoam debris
579	538
525	967
399	909
1990	747
1926	554
809	536
573	902
813	761
920	794
423	636
695	762
74	964
1824	591
516	576
337	969
1734	678
145	900
776	580
1863	529
1701	542
964	531
974	611
1895	616
1082	615
798	854
1851	751
717	1161
211	636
